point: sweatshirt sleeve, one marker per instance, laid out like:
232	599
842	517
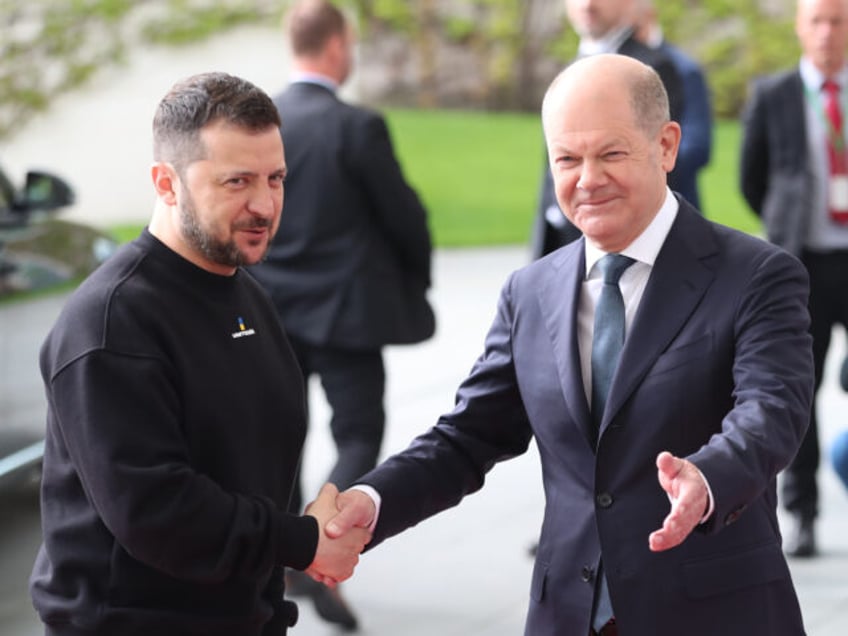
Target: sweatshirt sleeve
127	451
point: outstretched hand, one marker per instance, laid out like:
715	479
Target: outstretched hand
336	556
689	499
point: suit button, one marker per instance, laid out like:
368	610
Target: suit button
587	574
604	500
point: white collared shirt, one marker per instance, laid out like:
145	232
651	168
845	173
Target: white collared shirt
644	251
822	233
609	43
305	77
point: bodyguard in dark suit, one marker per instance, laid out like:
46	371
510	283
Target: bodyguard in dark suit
696	119
660	513
788	180
350	267
604	26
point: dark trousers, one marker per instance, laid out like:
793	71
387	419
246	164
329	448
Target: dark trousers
828	307
354	384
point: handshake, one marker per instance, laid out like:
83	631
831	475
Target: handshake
344	529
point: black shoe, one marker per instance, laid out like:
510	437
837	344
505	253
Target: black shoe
328	602
802	543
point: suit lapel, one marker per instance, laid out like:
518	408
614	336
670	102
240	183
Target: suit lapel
678	281
558	296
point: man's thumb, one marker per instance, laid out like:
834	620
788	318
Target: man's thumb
356	510
340	524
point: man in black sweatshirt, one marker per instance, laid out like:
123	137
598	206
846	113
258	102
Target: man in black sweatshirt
176	410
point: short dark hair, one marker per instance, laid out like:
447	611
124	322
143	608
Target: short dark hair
310	23
200	100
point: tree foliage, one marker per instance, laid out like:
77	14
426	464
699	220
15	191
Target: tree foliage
518	46
495	54
503	46
734	40
48	47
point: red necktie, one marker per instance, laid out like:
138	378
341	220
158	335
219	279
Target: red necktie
835	142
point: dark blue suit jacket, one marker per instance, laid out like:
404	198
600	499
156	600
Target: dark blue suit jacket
696	123
350	264
716	368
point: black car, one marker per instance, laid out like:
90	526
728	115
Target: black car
42	259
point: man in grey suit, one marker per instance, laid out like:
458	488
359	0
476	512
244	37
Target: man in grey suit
788	180
350	266
660	513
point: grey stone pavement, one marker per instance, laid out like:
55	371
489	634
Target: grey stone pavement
466	572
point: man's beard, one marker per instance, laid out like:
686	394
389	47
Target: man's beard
225	253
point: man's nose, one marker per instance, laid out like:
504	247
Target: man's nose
265	201
591	175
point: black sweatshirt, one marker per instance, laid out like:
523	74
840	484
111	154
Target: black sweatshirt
176	420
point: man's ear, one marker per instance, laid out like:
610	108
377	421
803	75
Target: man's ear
670	143
336	47
165	180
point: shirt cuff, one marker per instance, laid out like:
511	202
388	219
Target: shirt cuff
375	497
710	500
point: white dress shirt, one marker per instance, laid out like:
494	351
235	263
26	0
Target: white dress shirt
822	234
644	251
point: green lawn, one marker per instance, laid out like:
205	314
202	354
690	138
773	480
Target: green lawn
719	182
479	173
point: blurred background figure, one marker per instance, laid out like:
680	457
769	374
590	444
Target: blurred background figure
350	267
794	175
604	26
839	447
696	120
839	457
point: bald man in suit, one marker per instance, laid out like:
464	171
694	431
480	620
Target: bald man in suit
659	480
604	26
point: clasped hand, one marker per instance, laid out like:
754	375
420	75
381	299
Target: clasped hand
343	521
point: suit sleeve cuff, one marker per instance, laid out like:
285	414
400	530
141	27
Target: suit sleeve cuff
298	541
